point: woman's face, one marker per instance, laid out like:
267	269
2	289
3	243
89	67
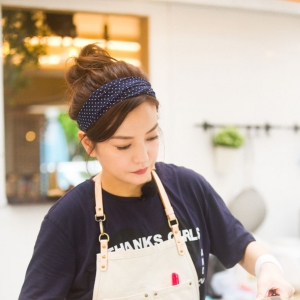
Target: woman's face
128	157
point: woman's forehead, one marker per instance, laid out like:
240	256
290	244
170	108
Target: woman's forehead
141	119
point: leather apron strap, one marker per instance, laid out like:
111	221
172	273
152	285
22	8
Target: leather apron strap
172	220
100	217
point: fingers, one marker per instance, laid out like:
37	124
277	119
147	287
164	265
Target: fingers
260	296
284	293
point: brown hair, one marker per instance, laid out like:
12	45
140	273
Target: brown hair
91	69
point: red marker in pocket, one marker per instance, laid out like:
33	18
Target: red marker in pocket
175	279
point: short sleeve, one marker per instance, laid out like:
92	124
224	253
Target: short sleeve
228	236
51	270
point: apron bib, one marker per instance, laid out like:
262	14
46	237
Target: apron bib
164	271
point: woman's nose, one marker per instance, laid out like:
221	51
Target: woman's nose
140	154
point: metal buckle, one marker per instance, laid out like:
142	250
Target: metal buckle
175	220
100	219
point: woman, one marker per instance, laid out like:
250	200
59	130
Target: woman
155	224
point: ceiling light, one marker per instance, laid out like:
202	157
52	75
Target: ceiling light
124	46
52	59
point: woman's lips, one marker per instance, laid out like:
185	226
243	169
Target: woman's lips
141	171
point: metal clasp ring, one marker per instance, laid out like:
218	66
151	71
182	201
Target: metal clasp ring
103	234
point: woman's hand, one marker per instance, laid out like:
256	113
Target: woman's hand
271	282
270	279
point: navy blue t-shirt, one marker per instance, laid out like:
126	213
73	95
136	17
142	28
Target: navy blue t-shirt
63	265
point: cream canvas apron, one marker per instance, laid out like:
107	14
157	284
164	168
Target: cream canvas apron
144	273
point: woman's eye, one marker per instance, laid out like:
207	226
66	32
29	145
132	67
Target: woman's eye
127	146
153	138
123	147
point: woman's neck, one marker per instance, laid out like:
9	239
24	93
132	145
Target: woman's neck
120	188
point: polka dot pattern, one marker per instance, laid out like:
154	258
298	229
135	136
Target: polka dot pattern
108	95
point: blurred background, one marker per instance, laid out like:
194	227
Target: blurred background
227	76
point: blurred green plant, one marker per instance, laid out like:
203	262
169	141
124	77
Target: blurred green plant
18	26
70	129
228	137
69	126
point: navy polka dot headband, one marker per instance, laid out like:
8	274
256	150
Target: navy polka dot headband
108	95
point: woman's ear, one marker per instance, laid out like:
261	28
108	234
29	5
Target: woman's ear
86	143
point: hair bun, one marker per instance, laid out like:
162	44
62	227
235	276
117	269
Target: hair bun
90	70
94	57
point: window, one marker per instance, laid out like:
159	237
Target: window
36	45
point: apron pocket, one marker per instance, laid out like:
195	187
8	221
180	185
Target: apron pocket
185	290
139	296
182	291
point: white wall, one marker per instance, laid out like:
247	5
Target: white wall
223	65
239	67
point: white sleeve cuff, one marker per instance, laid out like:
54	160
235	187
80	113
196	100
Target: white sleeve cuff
266	258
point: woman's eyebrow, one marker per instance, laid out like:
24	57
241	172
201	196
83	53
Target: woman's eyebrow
153	128
123	137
